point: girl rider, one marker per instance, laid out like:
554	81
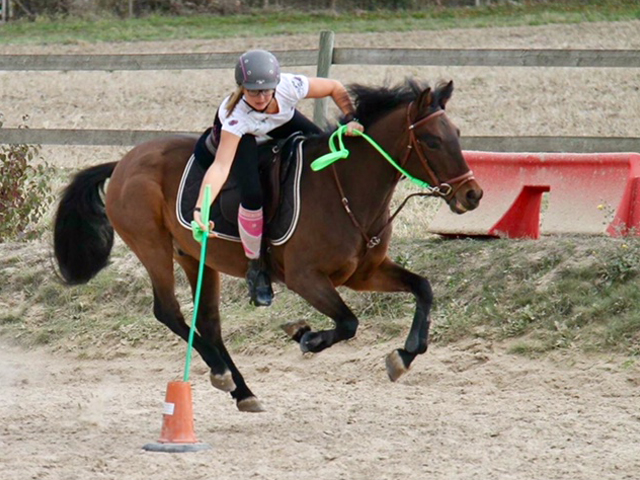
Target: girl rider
263	106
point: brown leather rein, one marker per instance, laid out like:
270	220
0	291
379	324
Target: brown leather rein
446	189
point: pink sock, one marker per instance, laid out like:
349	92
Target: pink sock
250	224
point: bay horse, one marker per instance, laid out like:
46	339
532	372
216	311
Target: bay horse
341	239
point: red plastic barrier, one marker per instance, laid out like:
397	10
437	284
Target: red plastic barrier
529	194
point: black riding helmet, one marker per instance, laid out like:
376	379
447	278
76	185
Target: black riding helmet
257	70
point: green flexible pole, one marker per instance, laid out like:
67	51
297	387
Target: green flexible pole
340	152
201	236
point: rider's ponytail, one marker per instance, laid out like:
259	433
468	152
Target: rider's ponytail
235	98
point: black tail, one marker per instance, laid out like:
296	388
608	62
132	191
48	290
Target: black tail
83	236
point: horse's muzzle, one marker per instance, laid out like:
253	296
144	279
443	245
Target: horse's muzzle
466	198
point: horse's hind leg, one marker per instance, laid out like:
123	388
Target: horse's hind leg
224	374
157	258
390	277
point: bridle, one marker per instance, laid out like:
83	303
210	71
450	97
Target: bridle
445	190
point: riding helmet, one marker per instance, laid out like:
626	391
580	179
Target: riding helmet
257	70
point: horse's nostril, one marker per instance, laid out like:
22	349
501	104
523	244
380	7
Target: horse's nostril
473	195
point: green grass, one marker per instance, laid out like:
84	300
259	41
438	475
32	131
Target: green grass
156	27
556	293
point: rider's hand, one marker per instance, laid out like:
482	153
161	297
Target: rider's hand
197	216
352	126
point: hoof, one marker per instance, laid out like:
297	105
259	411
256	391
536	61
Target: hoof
223	382
251	404
395	366
311	342
295	330
304	342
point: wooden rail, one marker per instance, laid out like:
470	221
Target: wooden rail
51	136
324	58
337	56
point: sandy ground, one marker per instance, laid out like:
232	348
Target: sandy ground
463	412
466	411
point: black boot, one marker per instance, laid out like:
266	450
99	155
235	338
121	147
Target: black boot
259	284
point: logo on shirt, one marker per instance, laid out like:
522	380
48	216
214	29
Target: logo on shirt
298	84
233	122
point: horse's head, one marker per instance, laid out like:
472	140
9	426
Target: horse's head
434	152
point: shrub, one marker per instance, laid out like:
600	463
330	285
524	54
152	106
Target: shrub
25	192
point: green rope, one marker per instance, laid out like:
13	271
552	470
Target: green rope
340	152
201	236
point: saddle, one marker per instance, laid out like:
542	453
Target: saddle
280	167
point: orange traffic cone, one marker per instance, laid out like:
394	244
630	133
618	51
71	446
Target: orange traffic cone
177	434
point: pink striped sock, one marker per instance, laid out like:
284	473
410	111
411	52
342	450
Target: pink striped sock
250	224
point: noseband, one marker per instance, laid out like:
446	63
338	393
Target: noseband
446	189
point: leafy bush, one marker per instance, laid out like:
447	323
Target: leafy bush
25	192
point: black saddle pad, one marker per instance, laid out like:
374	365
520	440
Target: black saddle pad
224	211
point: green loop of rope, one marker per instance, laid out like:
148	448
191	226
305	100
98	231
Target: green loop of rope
339	152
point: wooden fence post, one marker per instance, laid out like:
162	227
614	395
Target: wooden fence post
325	59
5	11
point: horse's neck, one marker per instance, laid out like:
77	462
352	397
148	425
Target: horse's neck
367	178
389	133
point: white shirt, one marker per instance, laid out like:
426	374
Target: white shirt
244	119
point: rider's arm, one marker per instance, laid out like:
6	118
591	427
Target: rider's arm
217	174
327	87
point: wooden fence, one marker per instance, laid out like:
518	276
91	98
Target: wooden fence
324	58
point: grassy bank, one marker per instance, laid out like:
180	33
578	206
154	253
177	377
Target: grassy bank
578	293
264	23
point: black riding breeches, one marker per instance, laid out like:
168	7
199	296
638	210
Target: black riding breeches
245	171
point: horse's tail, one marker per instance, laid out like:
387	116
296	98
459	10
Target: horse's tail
83	235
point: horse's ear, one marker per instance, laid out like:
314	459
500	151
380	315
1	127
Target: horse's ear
425	100
444	94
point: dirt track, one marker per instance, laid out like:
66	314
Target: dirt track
467	411
463	412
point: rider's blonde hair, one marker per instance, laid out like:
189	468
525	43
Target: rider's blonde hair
235	98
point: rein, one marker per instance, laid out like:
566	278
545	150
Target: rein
441	189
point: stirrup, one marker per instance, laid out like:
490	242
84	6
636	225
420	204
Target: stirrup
259	284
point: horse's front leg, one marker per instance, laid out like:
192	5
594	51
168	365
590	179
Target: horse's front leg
390	277
318	290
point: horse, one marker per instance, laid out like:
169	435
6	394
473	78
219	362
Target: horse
341	239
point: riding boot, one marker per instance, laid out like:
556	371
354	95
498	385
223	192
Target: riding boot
259	284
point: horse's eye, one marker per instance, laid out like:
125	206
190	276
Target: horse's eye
432	142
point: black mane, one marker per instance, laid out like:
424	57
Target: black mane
374	102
